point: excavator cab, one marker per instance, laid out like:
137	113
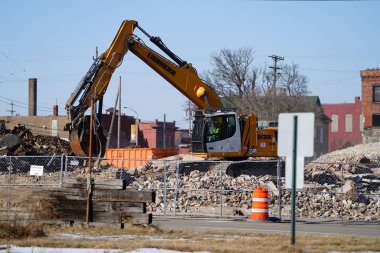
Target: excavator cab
217	134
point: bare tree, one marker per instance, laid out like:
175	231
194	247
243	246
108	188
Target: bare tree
293	90
250	89
233	74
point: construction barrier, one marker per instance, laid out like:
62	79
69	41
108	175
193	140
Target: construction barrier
260	204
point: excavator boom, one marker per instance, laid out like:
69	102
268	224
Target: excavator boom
237	137
94	84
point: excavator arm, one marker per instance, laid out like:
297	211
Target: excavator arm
94	84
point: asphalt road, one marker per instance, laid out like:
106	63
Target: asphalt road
331	227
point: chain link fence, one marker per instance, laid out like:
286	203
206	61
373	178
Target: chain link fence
333	191
31	170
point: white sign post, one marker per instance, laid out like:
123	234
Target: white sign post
295	141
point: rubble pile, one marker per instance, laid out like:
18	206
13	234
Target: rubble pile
360	164
20	141
353	195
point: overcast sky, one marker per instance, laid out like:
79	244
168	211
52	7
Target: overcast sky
55	41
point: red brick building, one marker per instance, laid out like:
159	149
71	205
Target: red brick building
346	124
371	104
156	133
182	141
125	128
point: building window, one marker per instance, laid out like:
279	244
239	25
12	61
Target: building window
334	123
376	120
321	135
348	125
376	93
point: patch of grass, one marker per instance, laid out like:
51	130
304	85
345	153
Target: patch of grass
14	230
213	241
105	230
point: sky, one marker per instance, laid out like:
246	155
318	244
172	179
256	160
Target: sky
55	42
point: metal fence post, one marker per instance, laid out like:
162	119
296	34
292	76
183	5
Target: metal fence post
221	193
61	172
66	164
10	168
165	190
176	187
341	187
279	188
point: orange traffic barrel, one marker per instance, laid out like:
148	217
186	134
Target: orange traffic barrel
260	204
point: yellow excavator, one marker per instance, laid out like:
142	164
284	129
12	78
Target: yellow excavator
217	131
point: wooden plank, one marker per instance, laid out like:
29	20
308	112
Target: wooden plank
69	204
111	184
98	194
100	206
137	219
129	207
127	195
116	184
120	217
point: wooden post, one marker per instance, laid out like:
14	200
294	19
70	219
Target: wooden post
88	190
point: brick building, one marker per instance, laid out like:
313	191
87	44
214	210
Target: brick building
155	133
371	104
182	141
125	128
346	124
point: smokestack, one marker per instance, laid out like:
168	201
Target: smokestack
32	97
55	110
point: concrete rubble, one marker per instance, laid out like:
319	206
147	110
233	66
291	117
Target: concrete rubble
344	184
340	185
20	141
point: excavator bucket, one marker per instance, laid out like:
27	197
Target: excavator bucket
80	139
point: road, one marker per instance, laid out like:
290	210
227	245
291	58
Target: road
336	227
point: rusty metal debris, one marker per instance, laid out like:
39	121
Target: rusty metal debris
20	141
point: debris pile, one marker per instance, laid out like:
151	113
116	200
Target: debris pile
20	141
336	186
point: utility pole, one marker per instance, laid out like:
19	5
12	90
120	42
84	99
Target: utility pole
119	116
113	118
189	115
275	59
164	131
11	110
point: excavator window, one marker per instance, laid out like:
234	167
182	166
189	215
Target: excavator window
220	127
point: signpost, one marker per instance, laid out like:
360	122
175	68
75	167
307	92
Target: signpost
295	141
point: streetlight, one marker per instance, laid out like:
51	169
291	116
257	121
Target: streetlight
136	123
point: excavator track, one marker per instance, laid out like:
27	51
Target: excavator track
235	168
